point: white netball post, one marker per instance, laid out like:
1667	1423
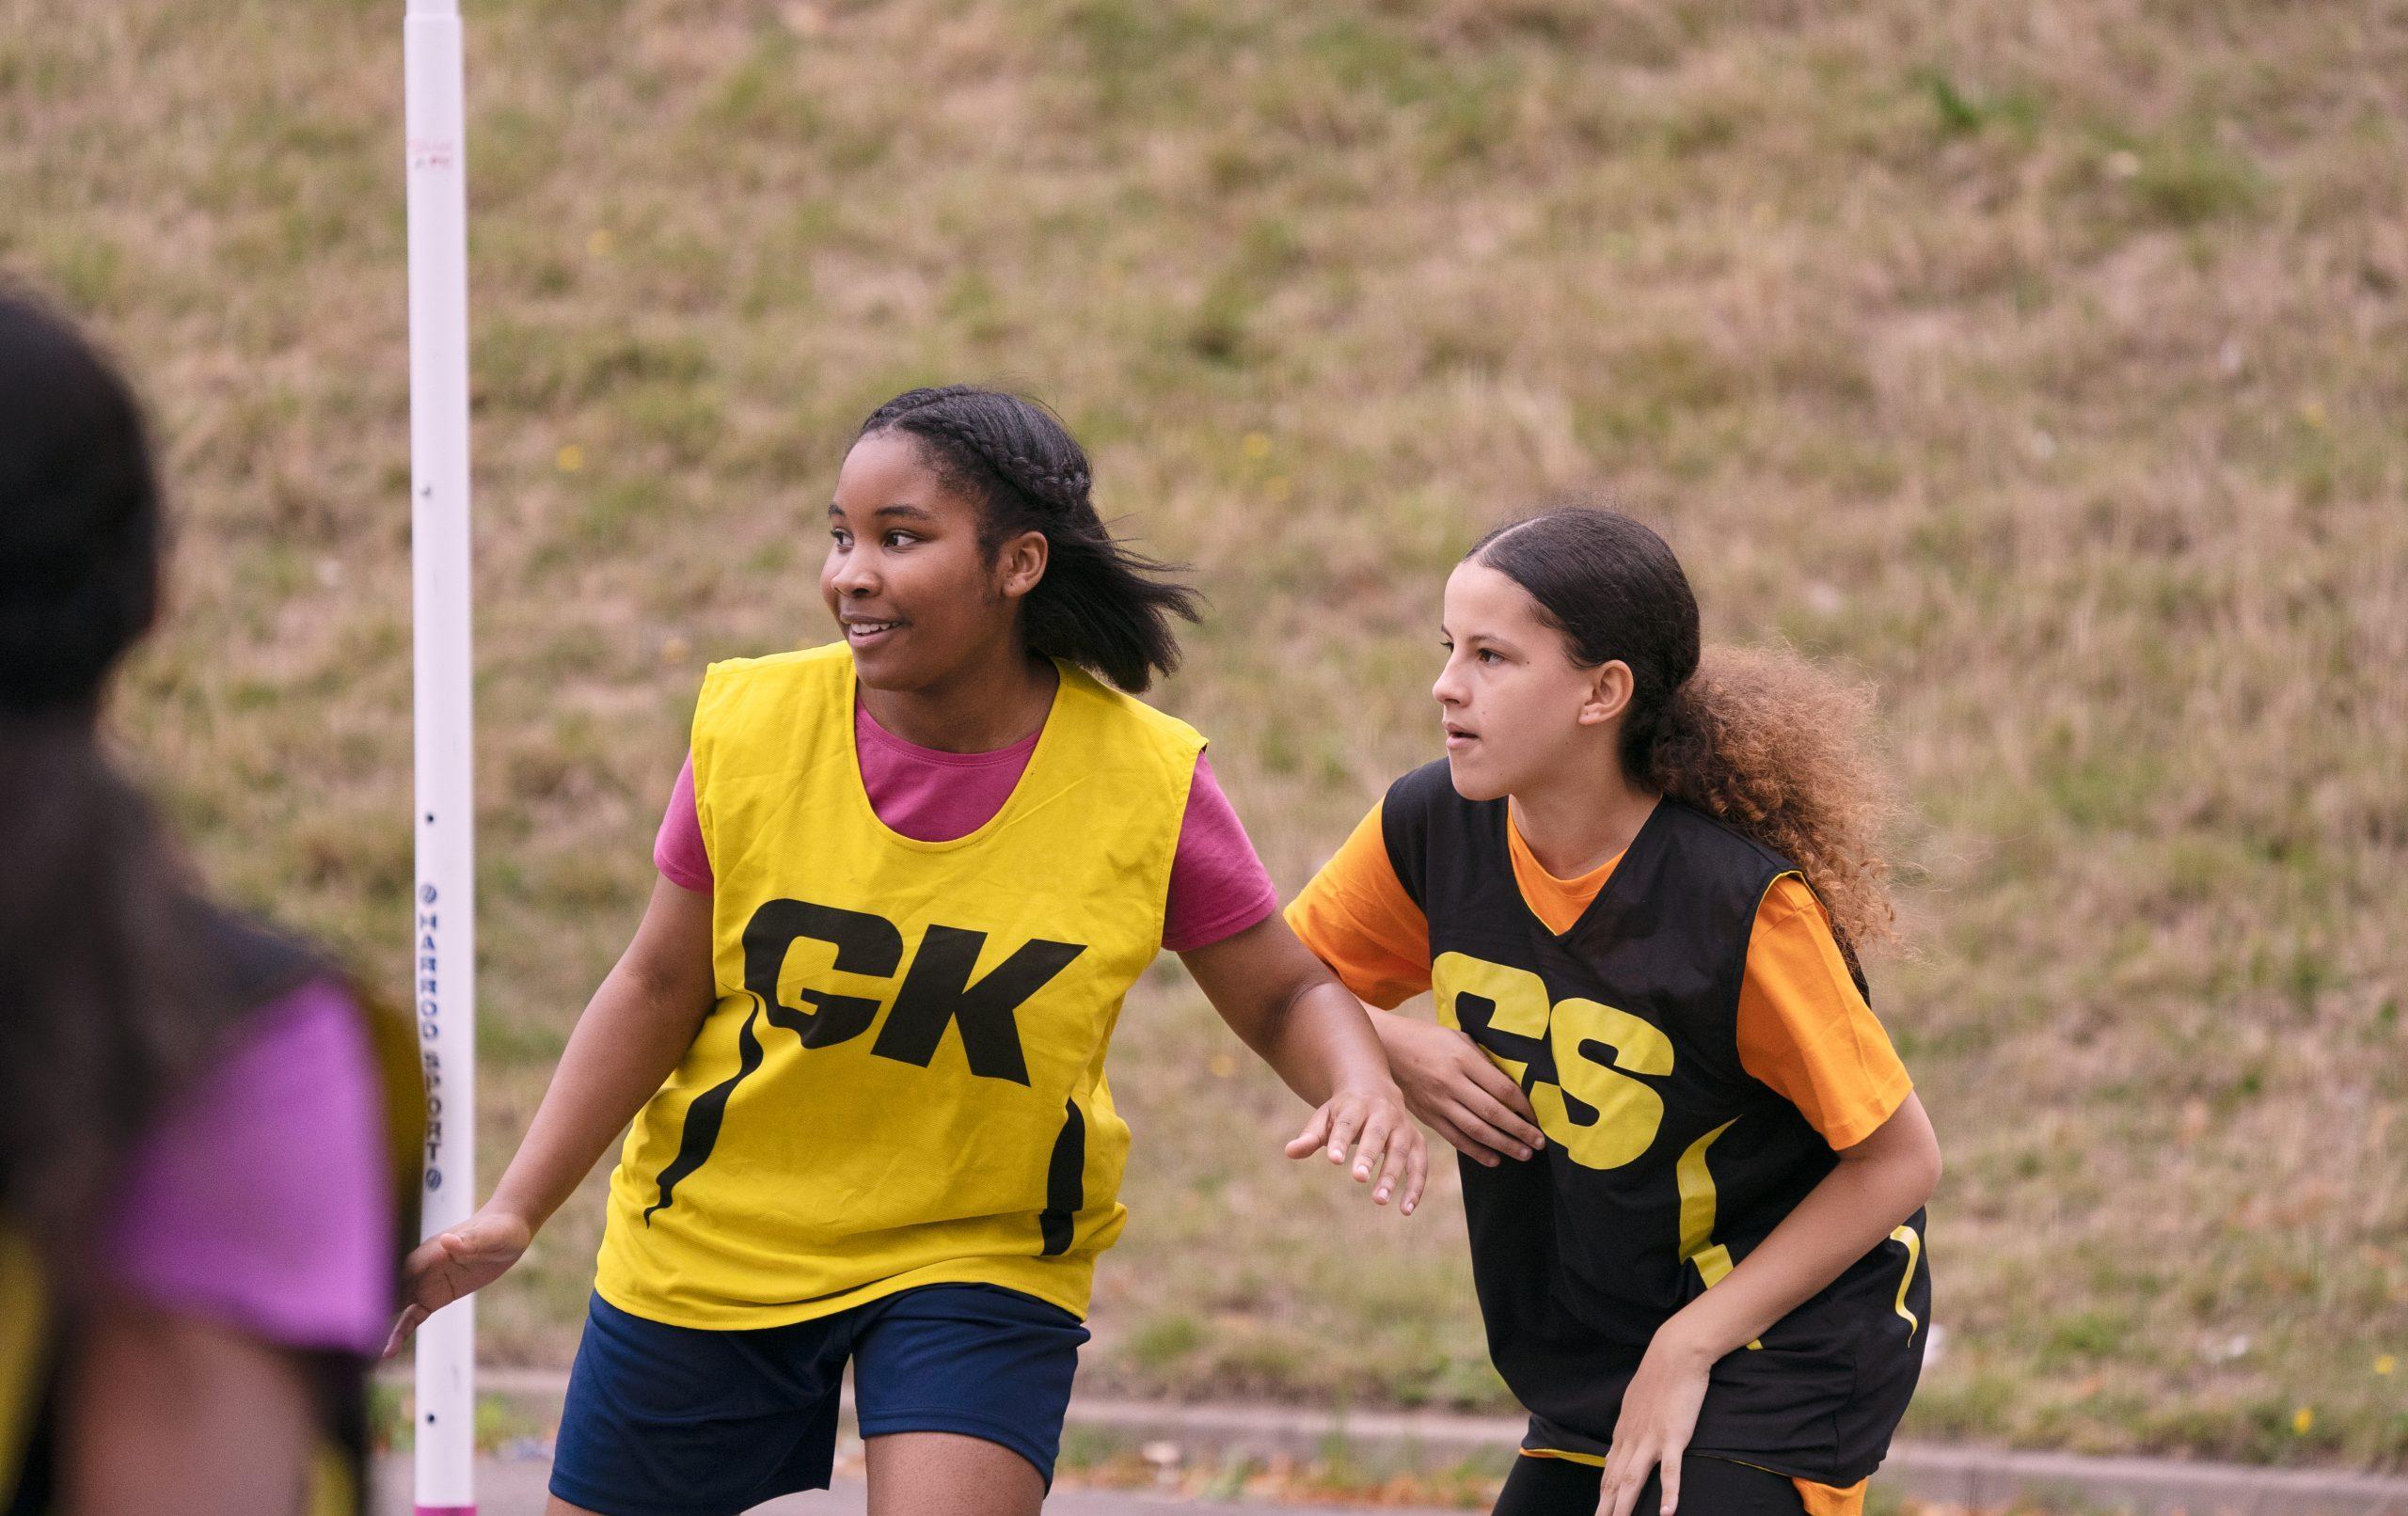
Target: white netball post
444	939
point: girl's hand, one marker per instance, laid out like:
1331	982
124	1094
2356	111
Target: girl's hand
1658	1417
1451	1084
454	1263
1390	1144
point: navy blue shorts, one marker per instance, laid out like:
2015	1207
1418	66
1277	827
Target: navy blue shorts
671	1421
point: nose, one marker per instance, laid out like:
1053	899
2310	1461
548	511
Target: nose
1448	690
853	574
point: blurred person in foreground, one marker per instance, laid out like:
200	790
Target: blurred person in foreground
207	1135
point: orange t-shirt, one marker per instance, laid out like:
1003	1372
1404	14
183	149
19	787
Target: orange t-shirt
1804	1029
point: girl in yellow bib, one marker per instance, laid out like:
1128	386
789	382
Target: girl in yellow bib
862	1029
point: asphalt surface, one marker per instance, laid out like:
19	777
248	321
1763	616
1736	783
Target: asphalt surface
514	1487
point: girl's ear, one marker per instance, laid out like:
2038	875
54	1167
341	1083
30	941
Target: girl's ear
1609	694
1020	563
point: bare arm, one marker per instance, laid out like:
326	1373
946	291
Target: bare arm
169	1416
1876	1185
1285	1005
635	1028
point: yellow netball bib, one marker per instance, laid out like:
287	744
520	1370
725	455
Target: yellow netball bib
902	1083
24	1332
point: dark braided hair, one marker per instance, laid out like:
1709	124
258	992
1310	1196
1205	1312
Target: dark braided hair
1099	604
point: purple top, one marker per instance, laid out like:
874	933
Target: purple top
1218	886
262	1199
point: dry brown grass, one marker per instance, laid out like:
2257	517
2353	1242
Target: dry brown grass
2041	361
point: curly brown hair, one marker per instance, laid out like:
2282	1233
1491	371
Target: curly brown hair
1758	738
1774	746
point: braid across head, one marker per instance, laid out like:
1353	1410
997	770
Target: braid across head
1015	440
1099	604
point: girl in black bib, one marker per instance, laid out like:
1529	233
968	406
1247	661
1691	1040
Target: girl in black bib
1693	1166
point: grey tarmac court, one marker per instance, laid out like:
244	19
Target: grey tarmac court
514	1487
1957	1477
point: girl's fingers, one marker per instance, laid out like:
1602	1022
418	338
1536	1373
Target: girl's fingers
1400	1147
1373	1146
1417	1175
1630	1482
427	1255
402	1326
1497	1113
1499	1087
1462	1141
1316	1131
1672	1483
1500	1144
1610	1486
1344	1127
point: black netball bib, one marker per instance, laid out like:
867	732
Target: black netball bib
1666	1162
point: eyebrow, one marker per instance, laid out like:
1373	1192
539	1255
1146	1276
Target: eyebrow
910	511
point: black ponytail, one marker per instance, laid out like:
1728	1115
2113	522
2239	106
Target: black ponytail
1100	604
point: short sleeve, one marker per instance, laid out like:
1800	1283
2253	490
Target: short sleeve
1804	1027
678	849
1357	918
1218	886
263	1198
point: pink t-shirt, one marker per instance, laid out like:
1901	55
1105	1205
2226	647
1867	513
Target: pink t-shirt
262	1199
1218	886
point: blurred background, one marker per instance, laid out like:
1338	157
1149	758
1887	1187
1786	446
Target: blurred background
2040	362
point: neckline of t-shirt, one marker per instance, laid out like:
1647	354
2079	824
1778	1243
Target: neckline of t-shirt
1591	881
1571	898
866	727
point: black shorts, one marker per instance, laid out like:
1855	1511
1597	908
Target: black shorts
1709	1487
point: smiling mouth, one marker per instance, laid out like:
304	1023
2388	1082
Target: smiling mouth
864	632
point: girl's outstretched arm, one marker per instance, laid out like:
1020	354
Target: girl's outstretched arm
1879	1183
1287	1005
638	1024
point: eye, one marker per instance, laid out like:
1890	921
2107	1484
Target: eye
897	539
840	536
1488	655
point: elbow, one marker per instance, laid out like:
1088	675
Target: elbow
1929	1170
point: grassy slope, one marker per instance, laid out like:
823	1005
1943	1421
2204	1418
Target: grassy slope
2041	360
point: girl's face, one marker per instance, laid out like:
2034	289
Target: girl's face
1517	711
915	594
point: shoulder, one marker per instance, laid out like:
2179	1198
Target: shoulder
1722	851
1421	791
1083	691
256	960
1120	739
801	665
765	699
263	1198
1420	811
